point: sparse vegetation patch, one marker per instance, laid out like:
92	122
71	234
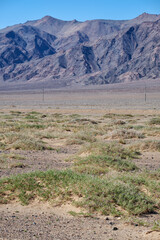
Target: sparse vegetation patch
103	176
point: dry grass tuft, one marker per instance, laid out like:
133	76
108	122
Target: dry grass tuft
124	134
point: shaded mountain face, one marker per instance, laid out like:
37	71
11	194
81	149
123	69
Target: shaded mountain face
71	52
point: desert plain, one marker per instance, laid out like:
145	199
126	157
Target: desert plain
80	163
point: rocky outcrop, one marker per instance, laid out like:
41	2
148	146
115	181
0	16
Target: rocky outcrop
42	48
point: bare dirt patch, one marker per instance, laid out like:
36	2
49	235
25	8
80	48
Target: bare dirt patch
149	161
39	161
44	222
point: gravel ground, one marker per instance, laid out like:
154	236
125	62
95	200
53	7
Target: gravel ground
39	160
149	161
33	222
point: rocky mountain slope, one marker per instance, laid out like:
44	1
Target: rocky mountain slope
70	52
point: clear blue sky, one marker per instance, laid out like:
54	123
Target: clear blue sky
19	11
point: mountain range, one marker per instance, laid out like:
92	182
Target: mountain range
68	53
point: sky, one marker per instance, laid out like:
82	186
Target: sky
19	11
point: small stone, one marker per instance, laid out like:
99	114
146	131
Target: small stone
111	223
107	218
115	229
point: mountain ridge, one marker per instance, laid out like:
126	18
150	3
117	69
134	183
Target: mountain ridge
72	52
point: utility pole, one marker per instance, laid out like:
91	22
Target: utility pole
43	92
145	93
